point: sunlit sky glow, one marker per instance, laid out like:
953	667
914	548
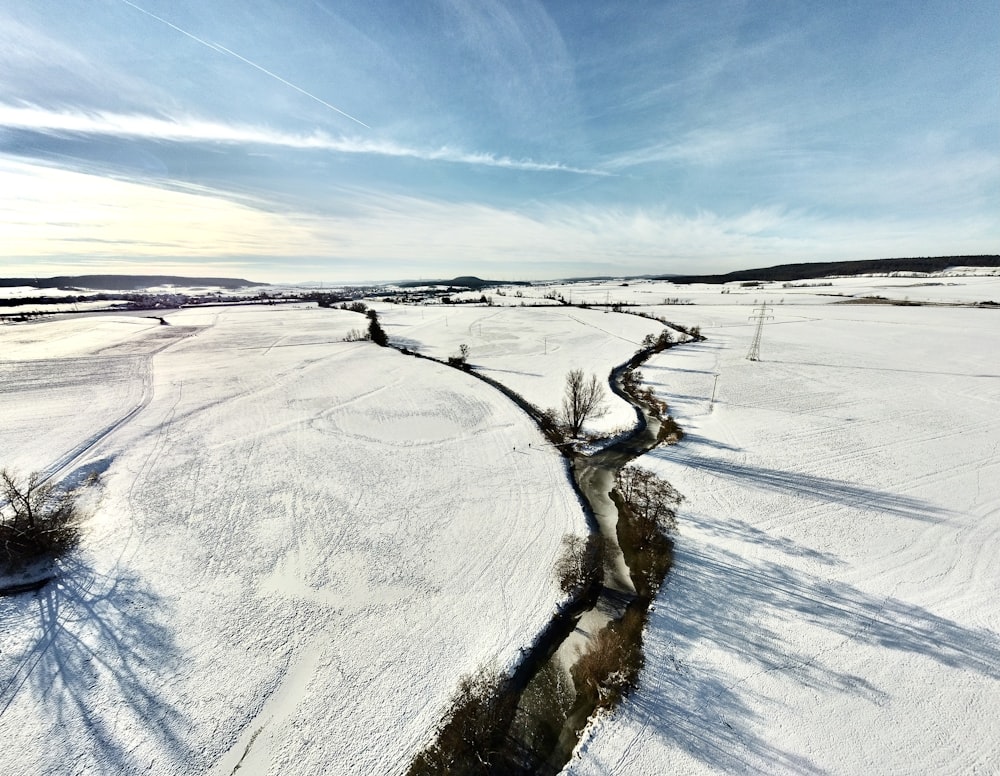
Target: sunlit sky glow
284	140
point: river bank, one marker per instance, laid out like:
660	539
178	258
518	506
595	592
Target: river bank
591	653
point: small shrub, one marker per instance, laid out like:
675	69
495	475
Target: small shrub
471	739
548	421
375	331
651	499
580	563
656	407
461	360
631	379
648	506
545	706
605	673
670	431
38	522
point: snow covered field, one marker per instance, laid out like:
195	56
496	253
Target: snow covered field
528	349
298	548
299	545
833	604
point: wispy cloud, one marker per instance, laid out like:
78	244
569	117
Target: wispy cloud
48	212
223	50
705	146
50	217
33	118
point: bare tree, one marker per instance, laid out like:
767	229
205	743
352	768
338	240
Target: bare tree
583	400
460	361
37	520
580	562
652	501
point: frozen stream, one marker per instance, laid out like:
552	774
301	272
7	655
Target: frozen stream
595	476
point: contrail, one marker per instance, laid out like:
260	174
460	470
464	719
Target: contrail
223	50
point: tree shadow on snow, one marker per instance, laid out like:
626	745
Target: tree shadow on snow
744	531
755	612
811	487
98	662
700	713
691	438
414	346
506	371
81	474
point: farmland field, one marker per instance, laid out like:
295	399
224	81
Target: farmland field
832	608
296	546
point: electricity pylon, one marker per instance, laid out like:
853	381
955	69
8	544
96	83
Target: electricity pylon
761	314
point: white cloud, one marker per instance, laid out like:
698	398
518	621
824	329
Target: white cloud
47	212
51	217
192	130
38	68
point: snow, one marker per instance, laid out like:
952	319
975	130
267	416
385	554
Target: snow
62	385
528	349
832	608
297	547
19	292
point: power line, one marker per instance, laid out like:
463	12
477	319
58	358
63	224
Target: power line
761	315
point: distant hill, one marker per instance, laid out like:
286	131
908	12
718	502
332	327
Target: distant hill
463	281
811	271
124	282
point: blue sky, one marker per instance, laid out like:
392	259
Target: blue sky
288	140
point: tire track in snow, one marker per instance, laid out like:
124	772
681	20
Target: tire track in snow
60	466
605	331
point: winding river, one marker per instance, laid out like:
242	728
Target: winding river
546	740
539	714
